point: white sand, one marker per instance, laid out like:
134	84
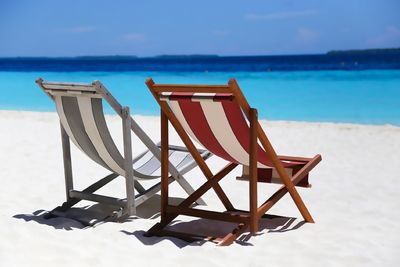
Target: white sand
354	200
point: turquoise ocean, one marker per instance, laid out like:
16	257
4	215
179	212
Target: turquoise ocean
350	96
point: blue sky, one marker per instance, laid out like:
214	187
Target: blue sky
224	27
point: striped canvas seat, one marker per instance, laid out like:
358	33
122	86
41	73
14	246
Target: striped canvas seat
217	123
83	120
80	109
81	114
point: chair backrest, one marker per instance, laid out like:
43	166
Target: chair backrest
80	109
214	119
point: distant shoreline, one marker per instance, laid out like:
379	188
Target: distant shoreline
385	59
377	51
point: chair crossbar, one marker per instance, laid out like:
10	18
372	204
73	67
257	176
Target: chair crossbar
98	198
212	215
68	86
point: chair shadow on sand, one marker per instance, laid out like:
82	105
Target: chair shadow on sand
92	215
74	218
205	227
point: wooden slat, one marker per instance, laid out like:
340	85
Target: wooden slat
198	97
68	86
98	198
212	215
292	158
159	88
100	183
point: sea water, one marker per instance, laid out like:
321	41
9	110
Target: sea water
366	97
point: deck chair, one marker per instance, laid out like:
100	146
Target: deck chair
80	109
220	119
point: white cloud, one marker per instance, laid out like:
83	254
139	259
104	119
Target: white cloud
77	29
389	37
281	15
134	37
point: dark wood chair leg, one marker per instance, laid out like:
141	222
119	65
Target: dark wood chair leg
164	166
253	172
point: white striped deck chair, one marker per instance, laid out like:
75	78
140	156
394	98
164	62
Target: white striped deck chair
80	109
219	118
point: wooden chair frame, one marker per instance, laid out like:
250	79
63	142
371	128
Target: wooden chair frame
169	212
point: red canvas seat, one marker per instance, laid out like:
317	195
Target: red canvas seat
217	123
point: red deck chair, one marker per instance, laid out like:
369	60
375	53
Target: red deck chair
215	117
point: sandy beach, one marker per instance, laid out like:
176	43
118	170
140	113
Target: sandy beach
354	200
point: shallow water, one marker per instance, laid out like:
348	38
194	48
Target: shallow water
367	97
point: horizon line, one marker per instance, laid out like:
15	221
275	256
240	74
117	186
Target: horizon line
397	49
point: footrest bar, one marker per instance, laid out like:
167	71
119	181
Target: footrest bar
98	198
212	215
